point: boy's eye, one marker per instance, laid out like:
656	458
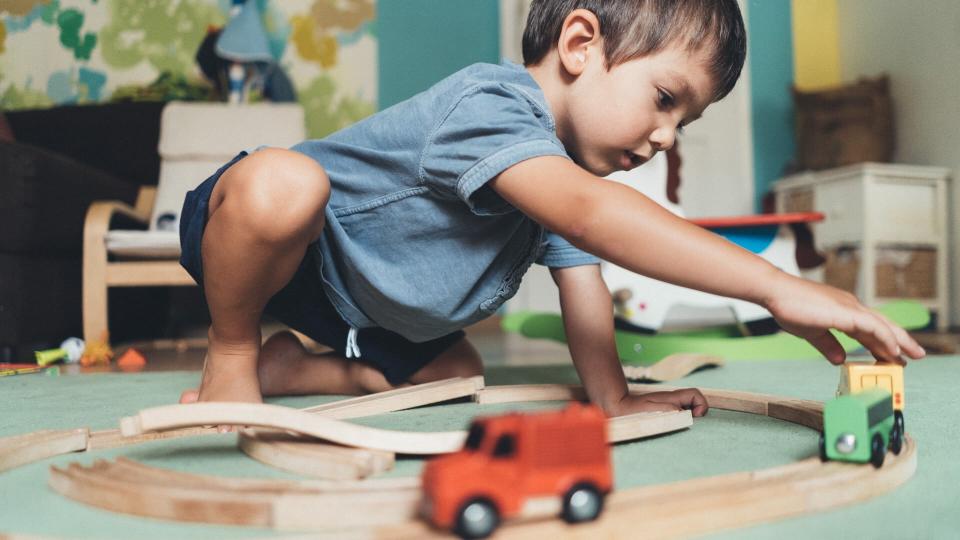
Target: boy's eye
664	99
680	129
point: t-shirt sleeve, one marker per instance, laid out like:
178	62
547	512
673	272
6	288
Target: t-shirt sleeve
489	129
559	253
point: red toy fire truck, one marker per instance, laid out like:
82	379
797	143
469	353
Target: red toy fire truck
511	463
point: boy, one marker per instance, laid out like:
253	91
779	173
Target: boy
385	239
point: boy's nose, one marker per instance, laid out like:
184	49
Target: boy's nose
663	138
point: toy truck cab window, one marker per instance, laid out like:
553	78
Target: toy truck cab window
474	437
506	446
878	412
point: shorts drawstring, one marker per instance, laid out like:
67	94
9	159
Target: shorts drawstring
353	351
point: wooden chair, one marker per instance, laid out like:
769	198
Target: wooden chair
195	140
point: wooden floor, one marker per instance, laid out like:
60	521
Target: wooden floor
186	354
498	348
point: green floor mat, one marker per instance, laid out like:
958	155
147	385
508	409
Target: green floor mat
645	349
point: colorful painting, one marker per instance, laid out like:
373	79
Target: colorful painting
55	52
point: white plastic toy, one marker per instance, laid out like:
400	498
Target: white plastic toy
70	352
650	305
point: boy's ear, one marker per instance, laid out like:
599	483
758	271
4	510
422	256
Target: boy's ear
580	41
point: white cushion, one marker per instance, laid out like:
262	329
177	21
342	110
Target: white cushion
196	139
144	244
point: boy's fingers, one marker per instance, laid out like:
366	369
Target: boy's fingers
874	333
698	403
908	345
829	347
691	398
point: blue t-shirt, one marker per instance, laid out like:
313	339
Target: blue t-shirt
415	240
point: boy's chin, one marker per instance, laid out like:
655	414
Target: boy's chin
599	169
596	167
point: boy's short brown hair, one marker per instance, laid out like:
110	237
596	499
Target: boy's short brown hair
636	28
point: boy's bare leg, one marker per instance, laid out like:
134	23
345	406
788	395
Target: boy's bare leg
287	368
264	212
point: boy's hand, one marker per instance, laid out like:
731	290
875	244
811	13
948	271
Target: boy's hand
809	310
688	398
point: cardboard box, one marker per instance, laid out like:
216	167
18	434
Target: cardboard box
899	272
843	126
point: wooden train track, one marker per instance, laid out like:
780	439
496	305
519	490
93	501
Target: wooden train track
18	450
381	508
620	428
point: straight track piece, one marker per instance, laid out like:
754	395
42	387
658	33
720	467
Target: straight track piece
400	399
112	438
22	449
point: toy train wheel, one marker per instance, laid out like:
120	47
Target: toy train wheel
896	439
823	447
898	420
877	450
477	518
583	502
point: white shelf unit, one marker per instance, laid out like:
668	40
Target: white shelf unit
871	207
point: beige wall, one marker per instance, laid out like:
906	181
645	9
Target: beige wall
918	44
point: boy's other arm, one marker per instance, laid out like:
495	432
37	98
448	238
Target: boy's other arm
588	320
623	226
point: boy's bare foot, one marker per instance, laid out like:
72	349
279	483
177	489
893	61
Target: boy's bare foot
229	373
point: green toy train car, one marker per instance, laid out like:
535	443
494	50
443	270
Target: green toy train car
859	428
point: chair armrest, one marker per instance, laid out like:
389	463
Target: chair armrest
101	213
145	201
95	227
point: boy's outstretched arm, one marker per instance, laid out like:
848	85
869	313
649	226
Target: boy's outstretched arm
623	226
588	320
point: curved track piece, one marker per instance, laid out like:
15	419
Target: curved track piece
310	458
675	366
643	349
286	418
129	487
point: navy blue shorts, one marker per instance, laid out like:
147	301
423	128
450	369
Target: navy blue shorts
304	306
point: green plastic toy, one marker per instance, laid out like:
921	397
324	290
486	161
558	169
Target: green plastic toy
647	349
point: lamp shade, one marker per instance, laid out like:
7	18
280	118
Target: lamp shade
244	38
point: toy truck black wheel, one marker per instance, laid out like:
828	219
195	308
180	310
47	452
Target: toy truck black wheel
877	450
823	447
583	502
477	518
896	439
898	420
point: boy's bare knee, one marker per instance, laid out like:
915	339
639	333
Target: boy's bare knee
282	192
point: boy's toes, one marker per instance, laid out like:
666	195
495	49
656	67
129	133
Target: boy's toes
190	396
